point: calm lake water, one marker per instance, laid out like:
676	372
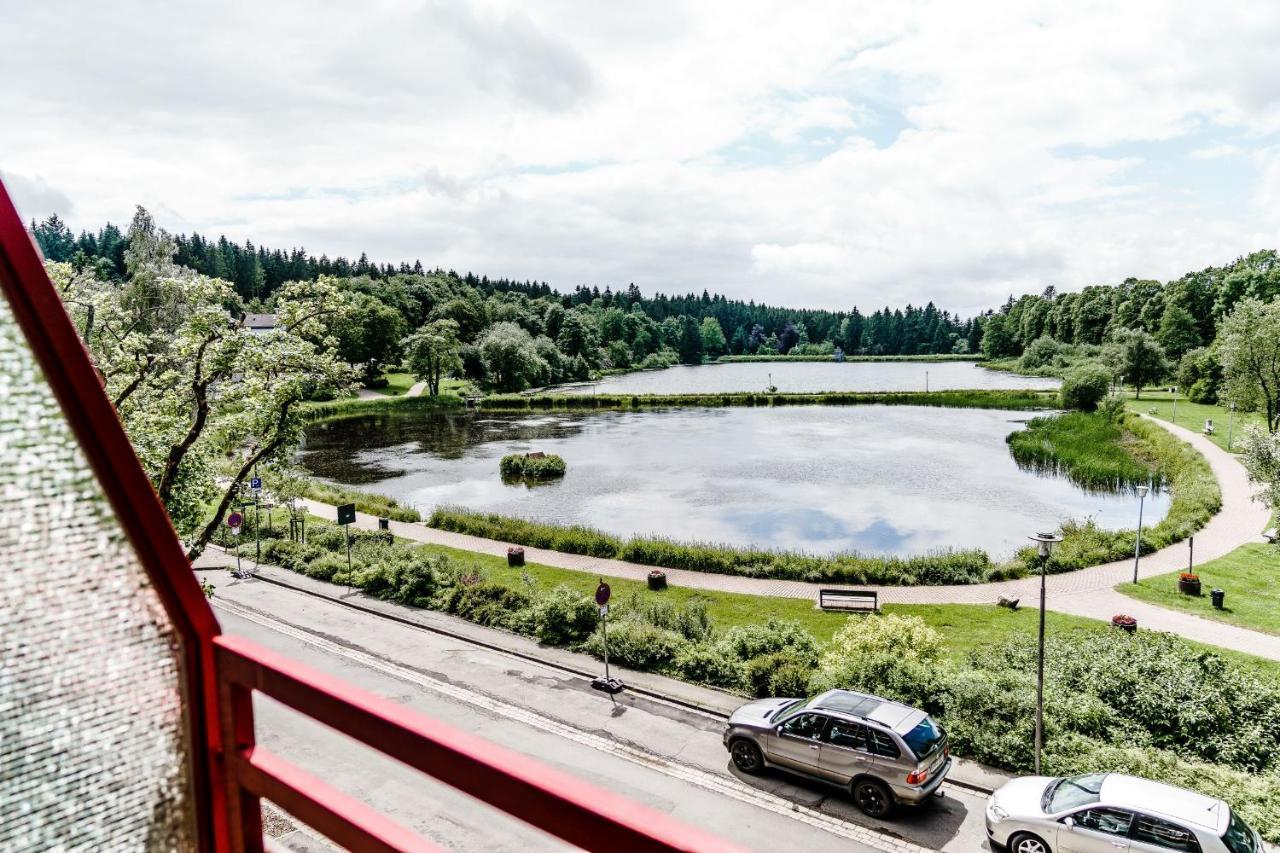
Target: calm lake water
810	377
822	479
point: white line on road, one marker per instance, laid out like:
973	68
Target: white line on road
724	785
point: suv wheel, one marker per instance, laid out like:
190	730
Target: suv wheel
746	756
1027	843
873	798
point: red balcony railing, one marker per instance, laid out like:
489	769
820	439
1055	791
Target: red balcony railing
229	773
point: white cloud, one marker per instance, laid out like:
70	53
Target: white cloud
830	154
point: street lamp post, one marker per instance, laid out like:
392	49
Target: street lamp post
1137	539
926	382
1173	418
1231	421
1045	541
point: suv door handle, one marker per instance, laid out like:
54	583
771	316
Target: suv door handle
813	746
1119	844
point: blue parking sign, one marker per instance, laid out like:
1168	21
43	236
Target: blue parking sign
255	483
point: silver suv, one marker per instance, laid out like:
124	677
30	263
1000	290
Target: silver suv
1110	812
883	752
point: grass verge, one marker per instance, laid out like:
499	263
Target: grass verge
975	399
1249	577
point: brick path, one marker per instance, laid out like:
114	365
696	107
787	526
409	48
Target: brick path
1087	592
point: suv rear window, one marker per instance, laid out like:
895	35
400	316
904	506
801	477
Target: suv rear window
925	738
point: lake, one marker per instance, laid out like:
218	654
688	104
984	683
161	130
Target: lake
809	377
821	479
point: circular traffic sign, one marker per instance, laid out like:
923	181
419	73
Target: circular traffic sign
602	594
235	519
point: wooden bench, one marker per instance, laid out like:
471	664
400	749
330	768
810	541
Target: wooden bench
859	600
1208	427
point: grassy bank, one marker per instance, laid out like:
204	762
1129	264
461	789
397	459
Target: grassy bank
1247	575
977	399
335	409
1195	491
1146	704
366	502
946	567
1091	450
730	359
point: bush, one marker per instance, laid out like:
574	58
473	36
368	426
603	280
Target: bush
638	645
486	603
1085	387
563	617
896	656
326	567
708	664
777	635
1040	353
522	466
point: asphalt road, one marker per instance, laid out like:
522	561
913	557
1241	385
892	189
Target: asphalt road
665	756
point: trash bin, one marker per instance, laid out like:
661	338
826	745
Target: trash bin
384	524
1217	595
515	556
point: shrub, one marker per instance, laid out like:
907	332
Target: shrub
1085	386
486	603
563	616
1042	352
522	466
638	645
776	635
326	567
896	656
708	664
689	620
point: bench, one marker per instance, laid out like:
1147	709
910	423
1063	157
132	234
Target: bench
859	600
1208	427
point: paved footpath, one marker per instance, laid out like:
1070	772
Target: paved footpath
1088	592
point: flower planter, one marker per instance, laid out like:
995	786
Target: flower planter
657	580
515	556
1189	584
1124	623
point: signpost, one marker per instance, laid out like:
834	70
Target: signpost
256	485
347	517
234	521
605	683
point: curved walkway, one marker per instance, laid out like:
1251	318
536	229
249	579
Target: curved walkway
1087	592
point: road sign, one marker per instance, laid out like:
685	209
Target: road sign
256	484
347	514
235	519
604	610
235	531
602	594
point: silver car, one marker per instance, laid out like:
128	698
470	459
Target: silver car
884	753
1106	812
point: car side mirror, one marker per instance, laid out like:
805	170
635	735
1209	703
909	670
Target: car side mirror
1069	823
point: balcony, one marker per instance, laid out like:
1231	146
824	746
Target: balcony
126	714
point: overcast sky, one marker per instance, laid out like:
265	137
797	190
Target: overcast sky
800	153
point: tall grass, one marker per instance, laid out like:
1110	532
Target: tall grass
940	567
975	399
1187	475
1091	450
366	502
334	409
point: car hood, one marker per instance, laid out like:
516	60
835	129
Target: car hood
1021	797
758	713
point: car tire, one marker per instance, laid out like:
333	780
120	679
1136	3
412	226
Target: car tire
1025	842
746	756
873	798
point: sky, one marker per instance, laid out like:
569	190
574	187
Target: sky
801	153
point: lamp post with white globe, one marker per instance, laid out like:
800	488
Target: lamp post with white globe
1045	541
1137	539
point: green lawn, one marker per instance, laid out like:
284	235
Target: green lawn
1193	415
1249	577
398	384
964	627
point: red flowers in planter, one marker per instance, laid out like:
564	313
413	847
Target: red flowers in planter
1124	623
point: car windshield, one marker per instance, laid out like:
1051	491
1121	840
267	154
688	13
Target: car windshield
925	738
786	710
1239	838
1072	792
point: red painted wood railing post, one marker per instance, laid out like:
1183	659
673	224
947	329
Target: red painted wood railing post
244	809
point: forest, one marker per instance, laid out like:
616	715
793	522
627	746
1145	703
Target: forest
509	335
